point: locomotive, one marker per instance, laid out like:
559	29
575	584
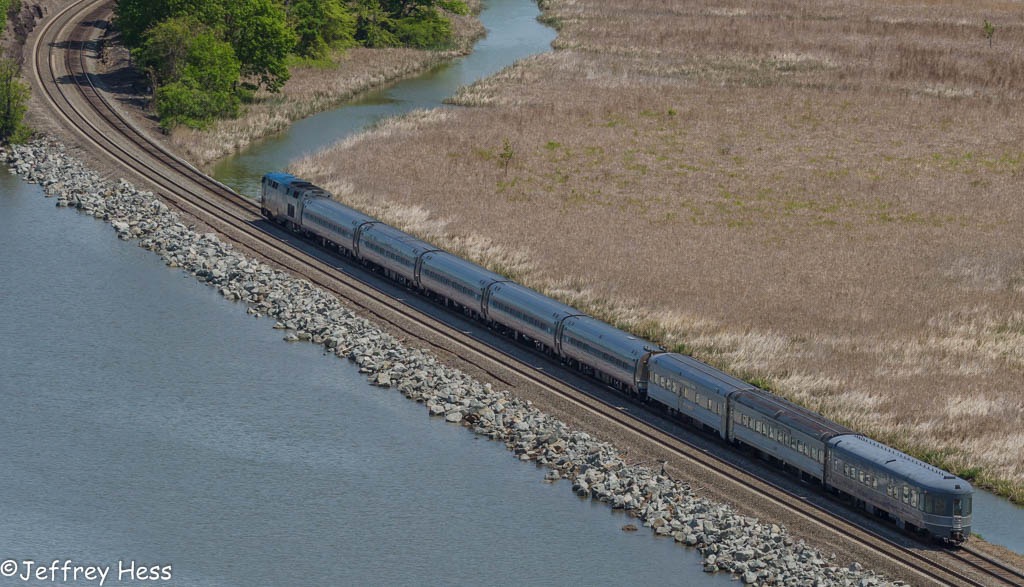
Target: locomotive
879	479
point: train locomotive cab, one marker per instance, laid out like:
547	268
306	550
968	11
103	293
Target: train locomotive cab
918	497
283	196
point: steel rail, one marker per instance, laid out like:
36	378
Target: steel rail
168	170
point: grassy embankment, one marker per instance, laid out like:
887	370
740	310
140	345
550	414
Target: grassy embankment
821	197
318	86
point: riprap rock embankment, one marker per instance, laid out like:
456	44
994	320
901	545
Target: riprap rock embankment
756	552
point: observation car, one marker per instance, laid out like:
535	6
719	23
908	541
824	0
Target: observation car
885	481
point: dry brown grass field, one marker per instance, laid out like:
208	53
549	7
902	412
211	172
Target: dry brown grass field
318	87
821	196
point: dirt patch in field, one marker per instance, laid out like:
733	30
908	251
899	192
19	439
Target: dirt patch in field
822	197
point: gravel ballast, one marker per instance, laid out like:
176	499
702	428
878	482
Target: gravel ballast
754	551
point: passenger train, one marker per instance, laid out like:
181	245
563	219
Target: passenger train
886	482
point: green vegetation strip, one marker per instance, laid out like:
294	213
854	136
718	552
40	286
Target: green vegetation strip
232	48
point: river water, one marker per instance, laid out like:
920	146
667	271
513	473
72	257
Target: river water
145	419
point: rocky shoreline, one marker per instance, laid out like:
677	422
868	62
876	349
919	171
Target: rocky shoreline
756	552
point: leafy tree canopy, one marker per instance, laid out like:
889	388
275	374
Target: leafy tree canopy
195	72
321	25
256	29
191	47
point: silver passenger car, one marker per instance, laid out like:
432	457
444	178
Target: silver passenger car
521	309
456	279
689	387
396	252
616	354
911	491
782	430
334	221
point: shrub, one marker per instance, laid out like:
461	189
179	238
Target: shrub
454	6
425	29
183	103
13	103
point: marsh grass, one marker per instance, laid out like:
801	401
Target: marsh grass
821	197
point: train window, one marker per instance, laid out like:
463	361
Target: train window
958	509
906	494
913	498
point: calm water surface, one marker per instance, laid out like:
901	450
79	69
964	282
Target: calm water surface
145	418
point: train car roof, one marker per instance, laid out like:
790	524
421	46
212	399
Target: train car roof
607	334
337	210
467	269
694	369
537	303
790	414
380	230
920	473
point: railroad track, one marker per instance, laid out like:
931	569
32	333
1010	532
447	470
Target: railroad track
61	72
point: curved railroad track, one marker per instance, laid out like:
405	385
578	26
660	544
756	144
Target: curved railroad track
60	49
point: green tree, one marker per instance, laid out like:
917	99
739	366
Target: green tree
196	78
165	50
13	103
400	8
320	25
424	29
374	24
259	32
134	17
